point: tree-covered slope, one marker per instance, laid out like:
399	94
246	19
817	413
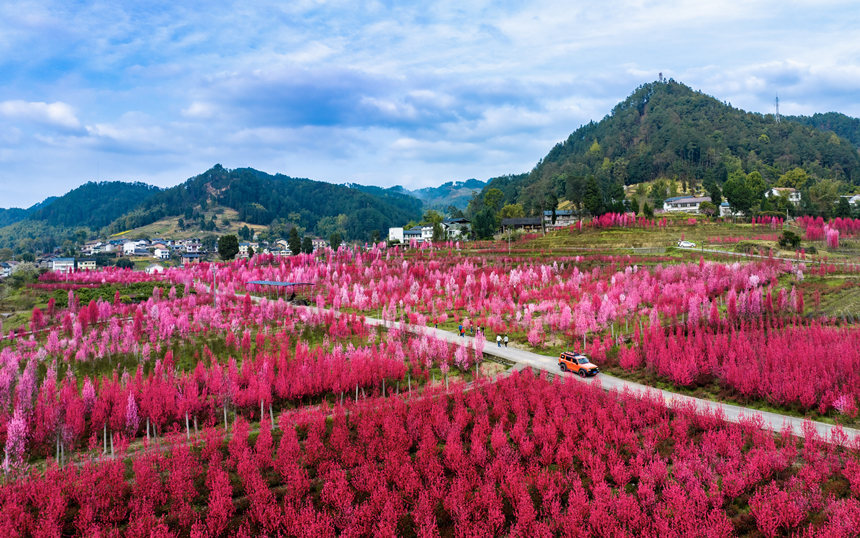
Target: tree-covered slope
666	129
261	198
94	204
12	215
844	126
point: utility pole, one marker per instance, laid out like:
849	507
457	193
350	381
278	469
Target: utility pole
777	108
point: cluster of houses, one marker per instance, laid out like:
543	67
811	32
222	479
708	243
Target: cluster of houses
691	204
187	251
458	229
156	248
455	229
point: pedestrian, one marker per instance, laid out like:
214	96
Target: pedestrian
460	328
499	340
506	340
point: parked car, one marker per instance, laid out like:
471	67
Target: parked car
686	244
577	363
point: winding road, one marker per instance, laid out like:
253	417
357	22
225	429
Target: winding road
523	358
732	413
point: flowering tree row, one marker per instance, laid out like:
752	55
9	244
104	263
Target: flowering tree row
528	297
817	229
621	220
273	366
809	365
521	457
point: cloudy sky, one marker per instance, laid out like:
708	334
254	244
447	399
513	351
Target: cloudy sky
380	93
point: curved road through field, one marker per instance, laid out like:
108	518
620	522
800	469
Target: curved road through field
521	357
733	413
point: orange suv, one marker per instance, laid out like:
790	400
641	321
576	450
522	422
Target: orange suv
577	363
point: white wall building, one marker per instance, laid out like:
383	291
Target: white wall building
395	234
792	194
686	204
63	265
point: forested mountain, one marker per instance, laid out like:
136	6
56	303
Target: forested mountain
844	126
16	214
71	217
94	204
12	215
279	201
667	130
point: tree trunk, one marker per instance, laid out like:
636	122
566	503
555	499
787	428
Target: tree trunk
187	429
225	418
105	440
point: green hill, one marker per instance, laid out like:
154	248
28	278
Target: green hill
278	201
668	130
844	126
94	204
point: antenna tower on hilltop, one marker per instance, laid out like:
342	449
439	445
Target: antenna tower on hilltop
777	108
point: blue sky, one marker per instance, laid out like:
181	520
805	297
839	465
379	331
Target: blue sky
378	93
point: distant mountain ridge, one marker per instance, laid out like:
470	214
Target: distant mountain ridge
261	198
16	214
451	193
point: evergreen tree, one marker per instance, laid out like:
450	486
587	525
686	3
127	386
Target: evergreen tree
593	199
294	241
228	246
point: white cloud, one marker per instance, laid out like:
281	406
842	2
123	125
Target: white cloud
58	114
199	110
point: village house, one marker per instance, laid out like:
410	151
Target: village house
685	204
458	228
793	195
86	265
563	218
527	224
154	269
190	257
63	265
396	234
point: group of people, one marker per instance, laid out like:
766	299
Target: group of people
499	338
471	330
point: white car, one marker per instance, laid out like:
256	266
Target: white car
686	244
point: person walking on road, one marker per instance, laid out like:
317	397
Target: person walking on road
506	340
499	340
460	328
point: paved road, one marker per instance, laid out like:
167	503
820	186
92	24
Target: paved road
732	413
